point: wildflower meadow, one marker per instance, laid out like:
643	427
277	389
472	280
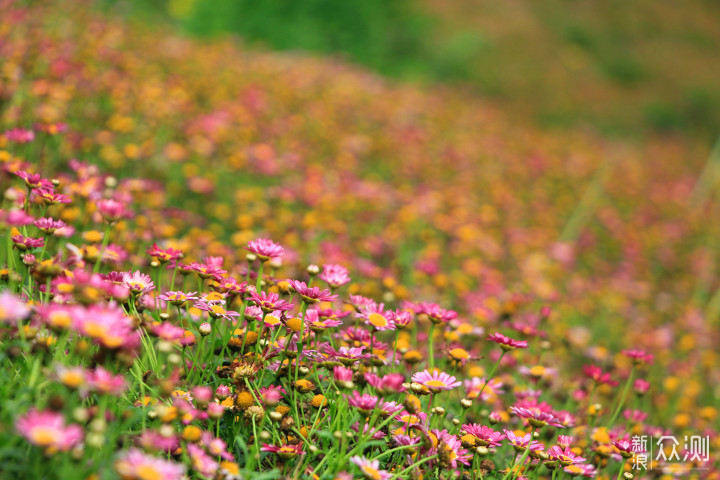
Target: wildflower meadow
224	263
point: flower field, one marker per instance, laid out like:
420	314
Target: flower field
220	263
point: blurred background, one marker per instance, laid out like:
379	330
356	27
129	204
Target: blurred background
626	69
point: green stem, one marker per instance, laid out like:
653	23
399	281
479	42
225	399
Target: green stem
623	397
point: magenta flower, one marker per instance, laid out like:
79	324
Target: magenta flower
178	298
111	210
164	255
564	456
365	403
435	313
102	381
136	465
537	417
507	343
375	316
34	180
520	444
47	429
334	275
594	372
311	295
51	197
370	468
48	225
12	309
270	302
216	309
484	436
435	381
19	135
626	448
138	282
639	356
283	451
581	469
23	243
265	249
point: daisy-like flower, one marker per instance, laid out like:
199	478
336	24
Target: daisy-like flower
178	298
19	135
48	225
374	433
389	384
334	275
201	462
167	331
639	356
450	452
136	465
205	270
595	373
435	312
564	456
283	451
109	327
626	448
15	218
370	468
138	282
111	210
265	249
375	316
507	343
581	469
270	302
311	295
482	435
317	324
365	402
216	309
33	180
346	355
537	417
47	429
164	255
12	309
23	243
101	380
436	381
50	197
520	444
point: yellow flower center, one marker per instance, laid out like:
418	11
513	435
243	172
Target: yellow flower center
435	383
43	436
377	320
370	472
148	472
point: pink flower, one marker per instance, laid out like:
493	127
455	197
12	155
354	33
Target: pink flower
311	295
111	210
639	356
15	218
564	456
283	451
507	343
12	309
365	403
34	180
389	384
270	302
484	436
47	429
537	417
522	443
581	469
265	249
435	313
641	386
23	243
164	255
564	441
375	316
201	461
51	197
19	135
178	298
451	452
334	275
370	468
594	372
108	326
138	282
48	225
435	381
136	465
626	448
103	381
216	309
